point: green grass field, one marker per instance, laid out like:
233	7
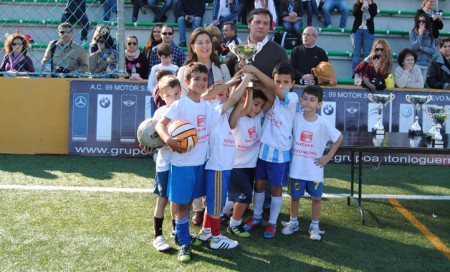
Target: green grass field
59	230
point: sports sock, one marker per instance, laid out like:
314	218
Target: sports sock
315	224
215	226
173	225
235	223
206	221
157	225
182	230
294	220
259	202
228	207
275	208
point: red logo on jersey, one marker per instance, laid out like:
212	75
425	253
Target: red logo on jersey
201	121
306	136
252	132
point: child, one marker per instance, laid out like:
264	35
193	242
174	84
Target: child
245	122
274	155
186	177
311	134
220	162
159	102
164	52
170	90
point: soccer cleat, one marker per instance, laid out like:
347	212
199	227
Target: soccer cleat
315	233
238	231
204	237
223	243
225	220
253	222
270	232
160	243
184	254
289	228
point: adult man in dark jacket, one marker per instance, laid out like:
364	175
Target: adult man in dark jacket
438	74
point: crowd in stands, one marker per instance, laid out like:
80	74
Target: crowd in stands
370	65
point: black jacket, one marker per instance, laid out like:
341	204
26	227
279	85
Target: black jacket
358	14
438	74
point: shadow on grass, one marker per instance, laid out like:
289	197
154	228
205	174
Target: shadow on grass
101	168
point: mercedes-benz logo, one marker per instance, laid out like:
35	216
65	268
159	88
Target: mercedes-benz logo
128	103
80	101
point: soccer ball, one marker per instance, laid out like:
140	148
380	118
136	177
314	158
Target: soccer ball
147	135
184	131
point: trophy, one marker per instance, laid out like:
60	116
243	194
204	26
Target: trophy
247	52
382	100
439	118
418	101
430	110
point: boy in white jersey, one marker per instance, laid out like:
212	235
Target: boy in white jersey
186	177
220	162
311	134
245	122
276	144
170	91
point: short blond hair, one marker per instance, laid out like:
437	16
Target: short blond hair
168	81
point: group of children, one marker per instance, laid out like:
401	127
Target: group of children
234	148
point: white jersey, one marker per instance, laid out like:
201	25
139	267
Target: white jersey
197	114
221	141
310	139
277	129
247	135
164	152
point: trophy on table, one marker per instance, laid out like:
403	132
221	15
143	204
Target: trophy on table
382	100
439	118
247	52
430	110
418	101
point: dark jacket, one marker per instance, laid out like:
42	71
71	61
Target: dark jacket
358	14
190	7
438	74
298	8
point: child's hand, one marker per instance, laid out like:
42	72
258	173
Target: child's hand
248	68
146	149
322	161
174	144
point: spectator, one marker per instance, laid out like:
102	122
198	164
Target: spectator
245	7
307	56
99	30
438	75
16	58
108	7
165	55
376	67
154	40
311	7
104	60
363	31
407	74
422	42
137	5
189	13
136	62
270	6
229	36
341	6
216	34
65	55
75	13
435	17
178	56
160	13
292	14
225	11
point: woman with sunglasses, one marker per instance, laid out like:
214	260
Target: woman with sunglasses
433	16
376	67
99	30
154	39
104	57
422	42
136	62
16	58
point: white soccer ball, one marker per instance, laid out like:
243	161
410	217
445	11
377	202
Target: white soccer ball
147	135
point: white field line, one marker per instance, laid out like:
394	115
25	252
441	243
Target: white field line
140	190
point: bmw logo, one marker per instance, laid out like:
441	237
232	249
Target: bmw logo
105	102
328	110
406	112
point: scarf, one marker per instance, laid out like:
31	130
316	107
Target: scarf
132	55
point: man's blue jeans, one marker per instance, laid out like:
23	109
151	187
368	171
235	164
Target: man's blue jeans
341	6
362	42
159	12
182	26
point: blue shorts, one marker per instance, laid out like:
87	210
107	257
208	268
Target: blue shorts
241	185
275	173
186	183
216	190
161	180
297	188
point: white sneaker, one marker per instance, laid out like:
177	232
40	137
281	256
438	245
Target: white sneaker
160	243
289	228
223	243
204	237
315	233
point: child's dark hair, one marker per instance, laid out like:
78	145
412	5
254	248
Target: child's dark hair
314	90
259	94
164	50
284	68
195	67
161	73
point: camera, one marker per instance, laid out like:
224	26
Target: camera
377	56
438	12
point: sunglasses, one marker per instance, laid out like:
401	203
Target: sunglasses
421	21
64	32
379	49
167	33
16	44
132	43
